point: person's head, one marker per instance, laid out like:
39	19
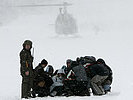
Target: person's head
90	59
50	69
27	44
74	63
100	61
68	62
80	60
44	63
63	67
77	59
60	73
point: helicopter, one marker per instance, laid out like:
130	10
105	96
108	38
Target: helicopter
65	23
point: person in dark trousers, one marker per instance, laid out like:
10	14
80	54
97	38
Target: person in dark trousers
26	69
107	83
42	81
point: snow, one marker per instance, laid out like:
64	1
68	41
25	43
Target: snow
105	30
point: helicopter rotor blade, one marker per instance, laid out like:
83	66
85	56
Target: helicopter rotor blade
67	4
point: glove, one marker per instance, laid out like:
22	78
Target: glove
41	84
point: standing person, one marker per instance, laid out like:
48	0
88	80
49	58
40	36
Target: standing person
26	62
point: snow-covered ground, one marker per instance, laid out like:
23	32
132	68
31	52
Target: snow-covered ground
105	30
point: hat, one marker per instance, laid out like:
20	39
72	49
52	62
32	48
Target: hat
69	61
100	61
27	42
50	68
44	62
60	71
63	67
91	58
74	63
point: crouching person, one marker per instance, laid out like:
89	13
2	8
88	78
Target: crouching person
99	74
41	87
57	88
81	79
42	81
108	81
76	82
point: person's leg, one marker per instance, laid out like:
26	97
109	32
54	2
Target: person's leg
107	86
102	79
34	90
95	89
59	90
95	85
54	91
30	86
27	84
82	89
69	87
24	90
41	93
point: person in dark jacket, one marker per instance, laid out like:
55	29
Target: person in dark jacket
50	70
68	65
42	81
107	83
85	60
77	80
42	86
55	73
81	78
98	74
26	62
39	70
90	59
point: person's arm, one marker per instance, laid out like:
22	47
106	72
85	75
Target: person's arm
24	64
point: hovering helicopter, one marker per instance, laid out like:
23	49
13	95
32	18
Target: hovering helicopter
65	24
